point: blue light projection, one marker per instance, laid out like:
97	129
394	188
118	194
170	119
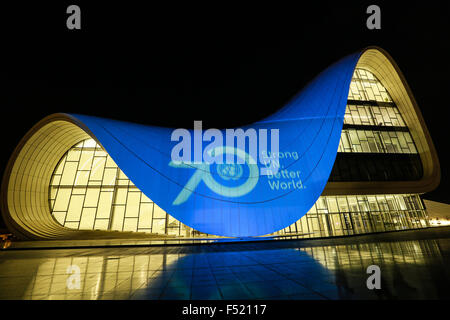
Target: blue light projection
235	199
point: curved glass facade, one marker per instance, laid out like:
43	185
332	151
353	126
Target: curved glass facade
347	215
89	192
375	144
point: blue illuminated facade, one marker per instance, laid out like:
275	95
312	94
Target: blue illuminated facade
346	161
252	204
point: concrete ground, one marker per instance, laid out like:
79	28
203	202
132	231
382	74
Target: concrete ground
414	265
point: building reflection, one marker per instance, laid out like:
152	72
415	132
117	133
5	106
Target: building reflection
279	270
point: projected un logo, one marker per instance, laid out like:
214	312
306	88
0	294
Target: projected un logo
225	179
230	171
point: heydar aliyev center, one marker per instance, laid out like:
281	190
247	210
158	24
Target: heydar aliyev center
354	156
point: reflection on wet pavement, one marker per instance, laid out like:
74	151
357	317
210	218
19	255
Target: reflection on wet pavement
410	269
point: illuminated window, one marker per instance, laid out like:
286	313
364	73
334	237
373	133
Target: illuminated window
373	116
369	104
89	192
366	87
345	215
372	141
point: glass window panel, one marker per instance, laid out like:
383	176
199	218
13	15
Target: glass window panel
75	206
81	178
62	200
86	160
145	215
352	203
130	224
385	136
348	119
401	203
342	202
391	112
78	190
373	203
89	143
101	224
304	225
104	205
375	90
159	226
55	180
314	223
345	141
313	209
53	192
60	167
379	141
332	204
110	162
121	196
73	155
402	140
391	202
92	195
353	137
370	93
118	216
355	117
144	198
372	145
97	168
395	122
158	212
417	201
385	96
122	175
399	119
133	201
396	145
365	146
361	135
72	225
363	115
379	120
363	204
68	176
87	218
321	204
412	148
59	216
172	222
109	177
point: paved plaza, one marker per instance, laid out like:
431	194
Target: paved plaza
414	265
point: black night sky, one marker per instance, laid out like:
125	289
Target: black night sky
226	64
